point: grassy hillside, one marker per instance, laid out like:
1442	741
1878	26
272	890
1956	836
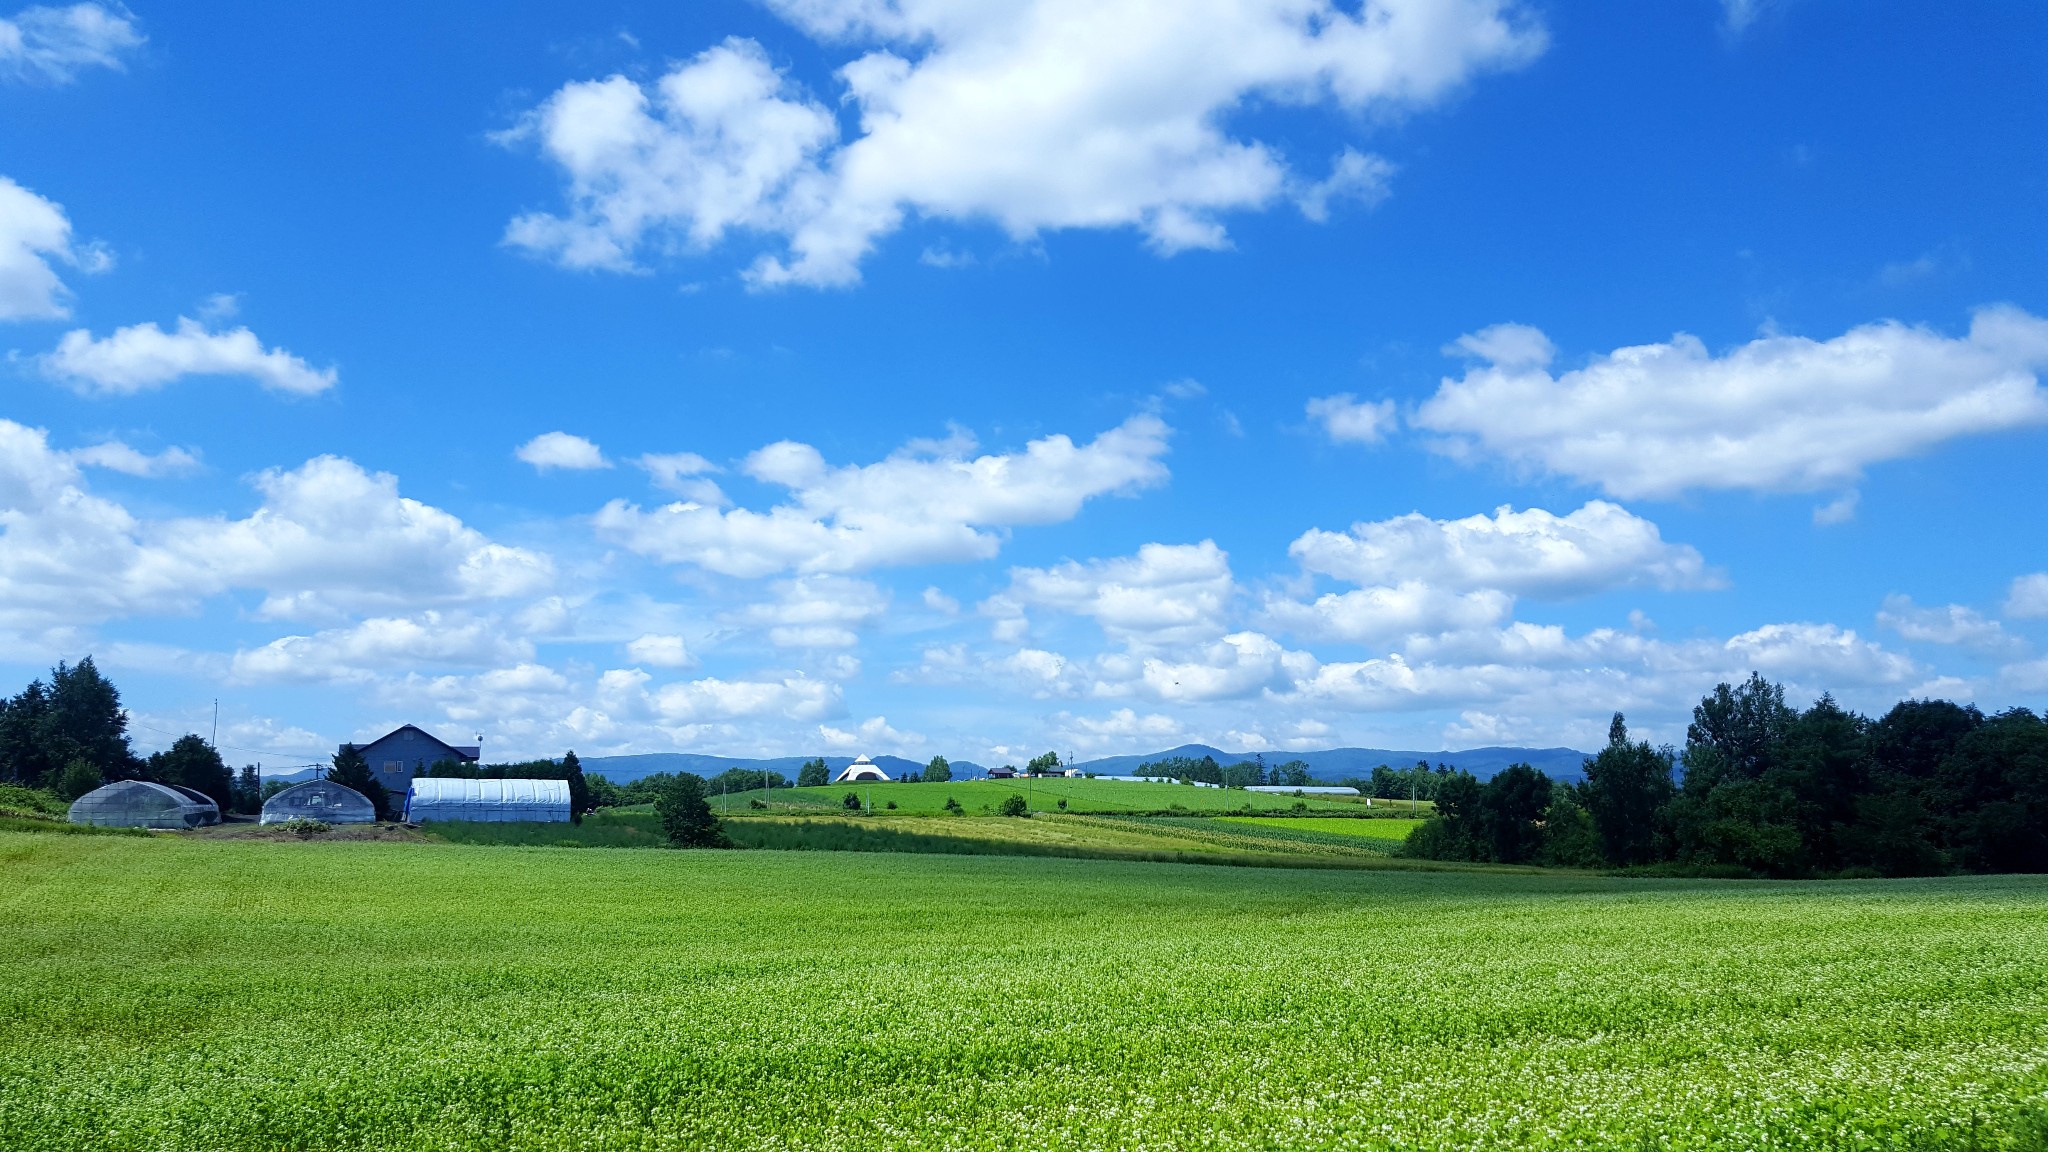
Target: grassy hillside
1080	793
177	993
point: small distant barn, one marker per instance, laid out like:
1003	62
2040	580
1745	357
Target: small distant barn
1004	773
142	804
862	769
321	800
487	801
407	751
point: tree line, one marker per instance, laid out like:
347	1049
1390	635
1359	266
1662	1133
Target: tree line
1251	773
1761	788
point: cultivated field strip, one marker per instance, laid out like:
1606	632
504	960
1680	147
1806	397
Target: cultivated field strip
181	994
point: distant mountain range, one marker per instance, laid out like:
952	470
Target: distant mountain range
1331	764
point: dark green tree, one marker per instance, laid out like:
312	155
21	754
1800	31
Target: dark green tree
1043	765
1014	805
579	788
1511	810
814	774
249	790
85	715
194	763
686	815
350	770
1627	786
937	770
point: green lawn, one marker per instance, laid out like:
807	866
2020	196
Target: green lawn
182	993
1080	793
1392	830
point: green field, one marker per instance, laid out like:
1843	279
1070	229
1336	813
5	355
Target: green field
185	993
1188	840
1080	793
1389	830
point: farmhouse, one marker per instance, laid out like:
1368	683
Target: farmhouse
405	752
861	769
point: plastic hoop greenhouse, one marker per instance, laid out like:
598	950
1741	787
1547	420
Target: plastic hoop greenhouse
141	804
321	800
487	801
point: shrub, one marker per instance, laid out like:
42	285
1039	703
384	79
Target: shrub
1063	803
1014	805
303	826
686	816
851	802
891	805
761	804
954	807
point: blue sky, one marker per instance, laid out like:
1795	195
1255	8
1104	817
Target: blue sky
920	377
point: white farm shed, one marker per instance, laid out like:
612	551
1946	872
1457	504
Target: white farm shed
487	801
859	770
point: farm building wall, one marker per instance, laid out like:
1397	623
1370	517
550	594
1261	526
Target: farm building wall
396	757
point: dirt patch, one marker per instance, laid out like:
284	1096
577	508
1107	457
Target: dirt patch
252	831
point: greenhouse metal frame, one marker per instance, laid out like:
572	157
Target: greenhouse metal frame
321	800
143	804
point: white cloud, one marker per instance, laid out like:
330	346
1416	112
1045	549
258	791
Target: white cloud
1738	15
911	508
874	735
144	356
33	232
1238	665
660	651
1532	552
795	698
1165	593
357	651
1347	419
1954	624
1781	413
1041	115
941	603
1840	510
1819	652
327	539
115	456
2028	599
817	611
1389	612
684	474
560	450
54	44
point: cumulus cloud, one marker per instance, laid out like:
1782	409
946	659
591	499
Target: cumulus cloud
1164	593
115	456
1781	413
144	356
2028	598
53	44
1532	552
358	651
683	473
873	735
928	503
1036	116
1953	624
659	651
34	232
328	538
1389	612
817	611
1346	419
560	450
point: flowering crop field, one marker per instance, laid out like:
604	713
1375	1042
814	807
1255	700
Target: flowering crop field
179	993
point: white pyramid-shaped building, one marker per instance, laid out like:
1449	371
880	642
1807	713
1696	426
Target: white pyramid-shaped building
859	770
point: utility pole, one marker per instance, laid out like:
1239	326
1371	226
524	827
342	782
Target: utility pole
214	740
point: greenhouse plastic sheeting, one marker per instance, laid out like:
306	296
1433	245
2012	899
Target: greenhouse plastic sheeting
321	800
487	801
141	804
